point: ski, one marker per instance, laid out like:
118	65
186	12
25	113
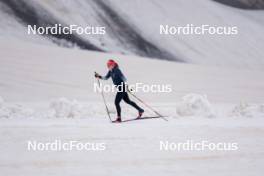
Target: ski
141	118
161	116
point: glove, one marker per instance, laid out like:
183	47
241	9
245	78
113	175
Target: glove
97	75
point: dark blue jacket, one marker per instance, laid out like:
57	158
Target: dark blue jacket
116	75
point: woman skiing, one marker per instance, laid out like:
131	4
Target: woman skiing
119	81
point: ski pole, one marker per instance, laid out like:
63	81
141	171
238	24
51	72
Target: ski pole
102	93
147	105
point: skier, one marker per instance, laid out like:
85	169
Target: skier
119	81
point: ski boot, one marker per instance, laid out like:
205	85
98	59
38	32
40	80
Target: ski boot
118	120
140	113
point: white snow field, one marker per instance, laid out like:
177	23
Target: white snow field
47	94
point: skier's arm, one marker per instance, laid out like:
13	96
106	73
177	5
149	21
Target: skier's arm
107	76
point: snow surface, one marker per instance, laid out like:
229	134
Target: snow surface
47	94
132	148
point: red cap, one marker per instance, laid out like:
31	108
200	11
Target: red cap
111	63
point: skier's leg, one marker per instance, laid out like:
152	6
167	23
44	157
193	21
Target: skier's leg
118	99
128	101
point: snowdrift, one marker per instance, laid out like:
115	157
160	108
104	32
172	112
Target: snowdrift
248	110
14	110
63	107
191	105
195	105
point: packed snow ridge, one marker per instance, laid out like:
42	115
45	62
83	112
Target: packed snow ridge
191	105
195	105
63	107
14	110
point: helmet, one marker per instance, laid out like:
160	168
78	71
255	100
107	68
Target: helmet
111	63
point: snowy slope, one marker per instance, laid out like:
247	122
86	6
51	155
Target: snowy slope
138	33
38	72
243	50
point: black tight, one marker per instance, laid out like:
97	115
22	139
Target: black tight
123	95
